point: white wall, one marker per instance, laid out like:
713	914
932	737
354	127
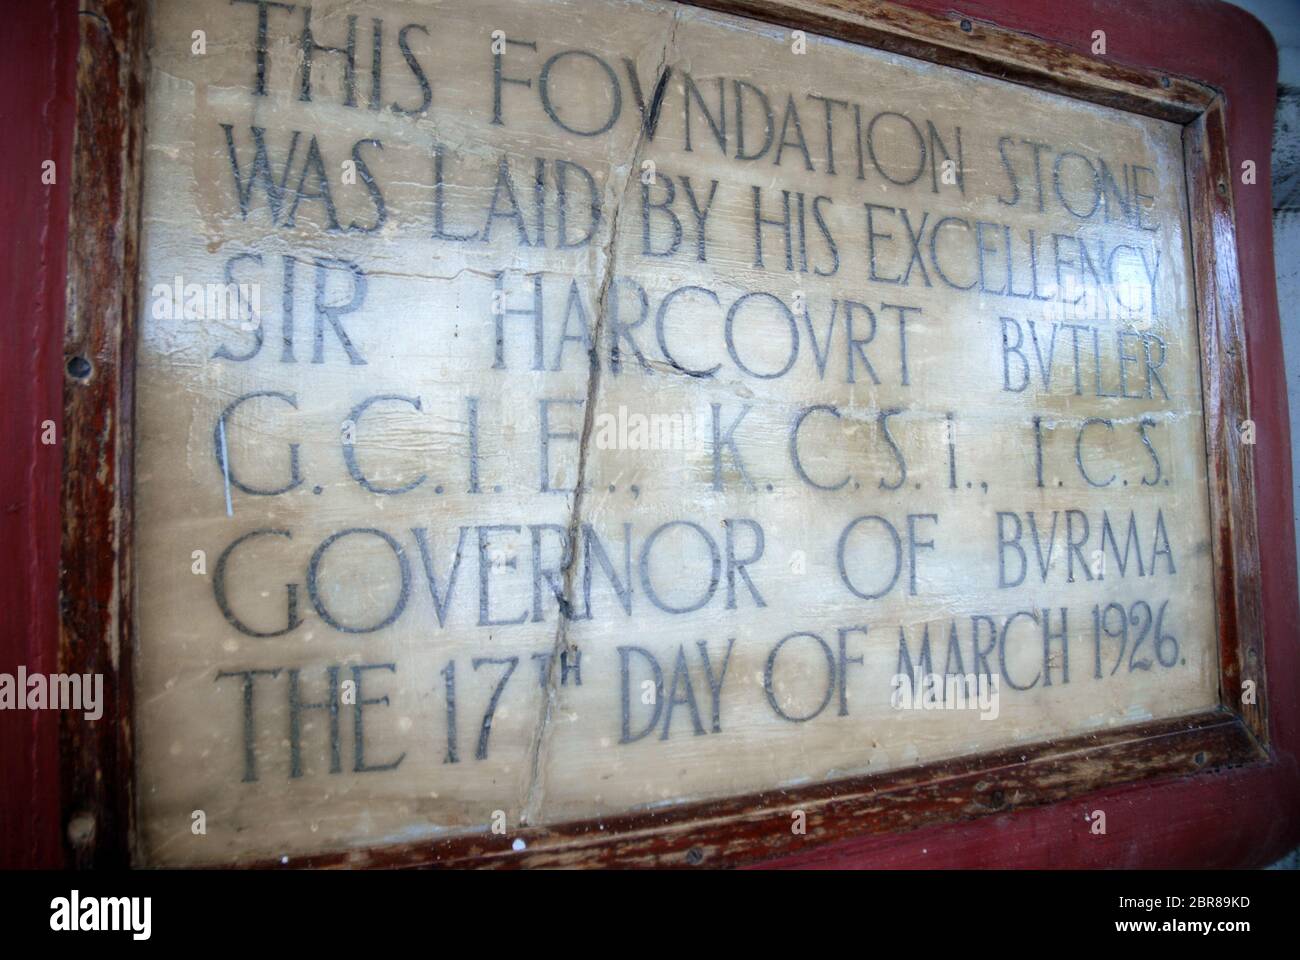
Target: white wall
1282	17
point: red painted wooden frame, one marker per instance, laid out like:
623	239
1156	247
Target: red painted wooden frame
38	62
1209	67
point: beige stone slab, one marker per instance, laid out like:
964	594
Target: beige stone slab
965	391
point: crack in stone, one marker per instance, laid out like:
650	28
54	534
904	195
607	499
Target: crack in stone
541	739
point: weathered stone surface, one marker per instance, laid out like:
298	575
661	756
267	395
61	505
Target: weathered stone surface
944	398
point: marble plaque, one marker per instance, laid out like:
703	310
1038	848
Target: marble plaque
556	409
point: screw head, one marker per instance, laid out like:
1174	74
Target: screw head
79	368
81	831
